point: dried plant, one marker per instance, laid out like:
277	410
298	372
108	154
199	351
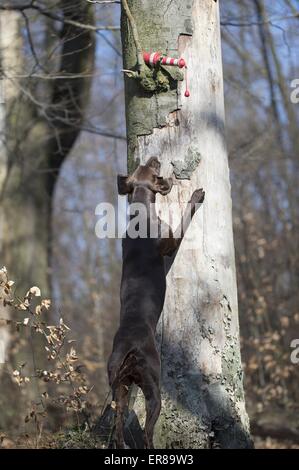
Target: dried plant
59	353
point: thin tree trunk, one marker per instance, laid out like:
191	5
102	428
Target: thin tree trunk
36	138
24	203
9	42
36	146
203	399
10	64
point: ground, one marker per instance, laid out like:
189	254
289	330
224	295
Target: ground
84	440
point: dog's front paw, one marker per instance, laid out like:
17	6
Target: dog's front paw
198	196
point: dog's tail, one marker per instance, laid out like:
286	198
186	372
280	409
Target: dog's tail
125	369
128	365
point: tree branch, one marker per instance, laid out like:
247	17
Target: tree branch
30	40
140	61
258	23
32	5
70	97
103	2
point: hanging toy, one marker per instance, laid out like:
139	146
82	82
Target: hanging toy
155	58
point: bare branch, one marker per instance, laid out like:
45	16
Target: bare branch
102	35
110	134
140	61
30	40
258	23
56	17
104	2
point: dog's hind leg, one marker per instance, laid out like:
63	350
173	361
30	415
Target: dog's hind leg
121	399
152	396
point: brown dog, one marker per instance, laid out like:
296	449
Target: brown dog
135	358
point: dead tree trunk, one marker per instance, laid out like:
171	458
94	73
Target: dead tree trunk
203	399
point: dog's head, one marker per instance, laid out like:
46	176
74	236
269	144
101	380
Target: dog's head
145	176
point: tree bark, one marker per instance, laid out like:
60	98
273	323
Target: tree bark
202	387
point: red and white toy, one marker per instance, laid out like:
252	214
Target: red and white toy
153	58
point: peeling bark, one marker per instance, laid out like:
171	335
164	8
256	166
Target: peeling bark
203	399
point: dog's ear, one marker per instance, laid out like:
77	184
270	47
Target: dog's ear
164	185
123	185
154	163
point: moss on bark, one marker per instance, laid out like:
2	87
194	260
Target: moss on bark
158	31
